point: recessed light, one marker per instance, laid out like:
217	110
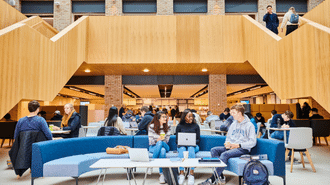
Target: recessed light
87	71
146	70
204	70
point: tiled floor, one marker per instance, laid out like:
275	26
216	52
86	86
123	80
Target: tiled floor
300	176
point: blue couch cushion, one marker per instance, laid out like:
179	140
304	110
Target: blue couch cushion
72	166
209	141
236	165
104	155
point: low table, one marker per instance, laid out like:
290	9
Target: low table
105	164
61	132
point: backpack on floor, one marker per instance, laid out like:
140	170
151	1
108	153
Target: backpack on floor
294	18
255	173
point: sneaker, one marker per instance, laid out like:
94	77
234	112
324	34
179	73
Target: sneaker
207	182
222	180
149	171
191	180
161	179
181	179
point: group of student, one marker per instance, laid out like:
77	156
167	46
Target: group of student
290	20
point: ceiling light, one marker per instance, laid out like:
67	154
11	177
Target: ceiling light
238	93
204	70
146	70
74	89
87	70
255	88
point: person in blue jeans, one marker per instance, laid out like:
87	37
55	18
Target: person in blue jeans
188	125
241	138
159	135
282	121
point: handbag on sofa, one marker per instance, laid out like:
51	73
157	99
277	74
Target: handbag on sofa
119	149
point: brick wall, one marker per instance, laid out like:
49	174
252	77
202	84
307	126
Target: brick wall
62	14
113	7
164	7
216	7
113	92
262	4
312	4
217	93
17	5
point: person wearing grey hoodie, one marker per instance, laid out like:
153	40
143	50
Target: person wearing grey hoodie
241	138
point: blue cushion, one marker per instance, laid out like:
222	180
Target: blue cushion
236	165
104	155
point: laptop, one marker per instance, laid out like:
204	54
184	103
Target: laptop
217	124
186	139
133	124
138	154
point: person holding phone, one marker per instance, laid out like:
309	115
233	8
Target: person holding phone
271	20
159	135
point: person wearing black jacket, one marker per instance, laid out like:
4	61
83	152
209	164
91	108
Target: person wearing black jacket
315	114
305	111
188	125
261	119
143	125
173	112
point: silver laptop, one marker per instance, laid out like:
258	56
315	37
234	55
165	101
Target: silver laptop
133	124
186	139
138	154
218	123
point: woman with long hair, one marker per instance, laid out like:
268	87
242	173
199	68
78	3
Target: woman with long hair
188	125
290	23
113	120
70	121
159	135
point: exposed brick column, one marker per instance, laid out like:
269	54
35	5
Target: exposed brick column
217	93
62	14
216	7
17	4
113	92
262	4
312	4
113	7
164	7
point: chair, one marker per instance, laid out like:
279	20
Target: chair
93	131
82	132
300	139
7	131
321	128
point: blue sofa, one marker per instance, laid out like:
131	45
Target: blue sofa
72	157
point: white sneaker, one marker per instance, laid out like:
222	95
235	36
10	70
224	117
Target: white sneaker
149	171
181	179
191	180
161	179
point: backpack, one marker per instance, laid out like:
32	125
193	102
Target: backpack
108	131
255	173
294	18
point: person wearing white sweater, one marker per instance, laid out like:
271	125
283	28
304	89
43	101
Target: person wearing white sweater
290	26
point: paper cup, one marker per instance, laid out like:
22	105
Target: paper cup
185	154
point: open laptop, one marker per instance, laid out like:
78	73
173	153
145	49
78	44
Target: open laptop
138	154
218	123
186	139
133	124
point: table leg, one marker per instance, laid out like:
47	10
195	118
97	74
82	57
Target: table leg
216	174
172	176
145	176
127	172
98	179
132	171
104	176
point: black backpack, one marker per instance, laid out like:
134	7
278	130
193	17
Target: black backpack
108	131
255	173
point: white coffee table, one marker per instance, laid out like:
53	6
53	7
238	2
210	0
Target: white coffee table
105	164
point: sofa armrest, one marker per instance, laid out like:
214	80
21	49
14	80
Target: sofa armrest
275	151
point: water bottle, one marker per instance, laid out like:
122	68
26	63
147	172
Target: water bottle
278	123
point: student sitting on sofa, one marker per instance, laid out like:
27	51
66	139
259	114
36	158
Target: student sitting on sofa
241	138
188	125
159	135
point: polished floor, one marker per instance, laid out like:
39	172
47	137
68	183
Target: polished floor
300	176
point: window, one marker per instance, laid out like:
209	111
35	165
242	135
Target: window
139	6
88	6
190	6
284	5
37	7
237	6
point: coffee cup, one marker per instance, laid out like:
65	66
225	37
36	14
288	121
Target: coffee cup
51	127
185	154
162	136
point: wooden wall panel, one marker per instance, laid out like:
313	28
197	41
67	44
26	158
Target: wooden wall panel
9	15
320	14
34	67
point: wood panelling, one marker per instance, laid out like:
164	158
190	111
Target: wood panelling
9	15
320	14
34	67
